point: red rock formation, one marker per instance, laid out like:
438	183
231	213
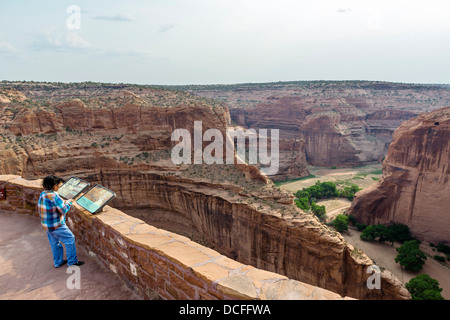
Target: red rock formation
9	95
369	113
298	246
245	218
336	132
292	160
415	187
327	142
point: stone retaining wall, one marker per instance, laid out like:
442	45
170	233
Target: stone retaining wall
156	263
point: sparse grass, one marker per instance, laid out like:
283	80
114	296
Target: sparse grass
280	183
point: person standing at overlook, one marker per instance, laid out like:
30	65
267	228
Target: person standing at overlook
52	210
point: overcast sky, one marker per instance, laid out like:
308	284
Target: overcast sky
231	41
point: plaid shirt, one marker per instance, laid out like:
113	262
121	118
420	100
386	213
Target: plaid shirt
52	210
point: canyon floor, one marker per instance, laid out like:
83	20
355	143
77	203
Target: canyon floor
363	177
382	254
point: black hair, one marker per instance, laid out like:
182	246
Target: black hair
51	181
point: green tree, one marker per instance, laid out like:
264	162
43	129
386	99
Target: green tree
351	219
319	211
349	192
303	203
371	233
316	191
423	287
302	194
341	223
410	256
399	232
329	189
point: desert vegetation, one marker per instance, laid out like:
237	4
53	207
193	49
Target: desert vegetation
424	287
307	197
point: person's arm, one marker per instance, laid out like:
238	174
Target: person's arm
62	206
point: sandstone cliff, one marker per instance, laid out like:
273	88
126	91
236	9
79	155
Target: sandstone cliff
342	123
334	132
124	143
250	228
415	187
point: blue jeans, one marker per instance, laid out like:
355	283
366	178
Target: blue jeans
60	236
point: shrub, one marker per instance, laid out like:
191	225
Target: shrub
319	211
303	203
360	226
410	256
395	232
423	287
443	248
351	219
341	223
400	232
349	192
439	258
371	233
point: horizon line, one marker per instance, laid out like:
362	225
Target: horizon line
220	84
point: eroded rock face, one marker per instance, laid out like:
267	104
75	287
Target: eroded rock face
297	246
415	188
343	124
127	148
10	95
334	131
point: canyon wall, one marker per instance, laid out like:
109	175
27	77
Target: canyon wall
158	264
240	212
76	136
342	123
253	232
414	189
335	133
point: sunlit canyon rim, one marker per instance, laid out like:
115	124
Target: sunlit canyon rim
120	136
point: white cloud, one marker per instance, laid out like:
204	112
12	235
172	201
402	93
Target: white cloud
120	17
6	47
73	40
166	27
52	40
132	52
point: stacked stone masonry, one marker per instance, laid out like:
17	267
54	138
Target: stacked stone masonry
156	263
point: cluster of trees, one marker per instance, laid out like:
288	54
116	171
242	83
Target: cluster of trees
423	287
308	204
327	189
410	256
307	197
394	232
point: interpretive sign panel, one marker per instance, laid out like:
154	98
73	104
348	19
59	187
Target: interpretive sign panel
72	188
96	198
